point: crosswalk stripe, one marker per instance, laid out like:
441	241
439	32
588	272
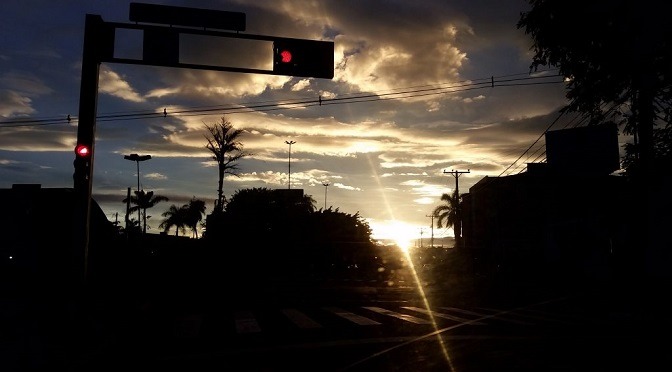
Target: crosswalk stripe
493	316
300	319
442	315
246	323
408	318
357	319
526	313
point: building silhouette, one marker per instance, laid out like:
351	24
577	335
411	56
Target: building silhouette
566	219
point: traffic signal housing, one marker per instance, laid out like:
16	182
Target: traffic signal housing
82	163
303	58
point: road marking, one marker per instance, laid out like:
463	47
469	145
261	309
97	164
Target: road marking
492	316
300	319
442	315
526	313
246	323
408	318
357	319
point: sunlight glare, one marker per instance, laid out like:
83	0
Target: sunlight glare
401	233
404	243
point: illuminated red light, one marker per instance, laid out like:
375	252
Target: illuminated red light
286	56
82	150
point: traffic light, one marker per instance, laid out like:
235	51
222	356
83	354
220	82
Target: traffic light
82	163
304	58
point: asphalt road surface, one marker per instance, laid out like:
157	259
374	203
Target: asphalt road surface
344	328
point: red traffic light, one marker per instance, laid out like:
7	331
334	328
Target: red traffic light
83	151
285	56
305	58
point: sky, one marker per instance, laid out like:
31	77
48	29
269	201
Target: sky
420	88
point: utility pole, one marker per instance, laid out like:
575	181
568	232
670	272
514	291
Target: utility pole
458	223
432	226
457	175
128	208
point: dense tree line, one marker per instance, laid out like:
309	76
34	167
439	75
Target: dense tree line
276	229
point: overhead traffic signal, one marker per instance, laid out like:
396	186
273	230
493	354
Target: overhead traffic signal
82	163
83	151
304	58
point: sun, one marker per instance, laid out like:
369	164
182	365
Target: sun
401	233
404	243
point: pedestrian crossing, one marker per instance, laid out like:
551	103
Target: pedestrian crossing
315	319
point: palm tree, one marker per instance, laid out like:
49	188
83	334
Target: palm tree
448	214
174	216
188	215
193	214
143	201
226	150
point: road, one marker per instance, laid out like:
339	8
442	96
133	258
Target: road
560	334
345	328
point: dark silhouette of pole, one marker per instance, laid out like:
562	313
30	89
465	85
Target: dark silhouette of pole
137	159
457	175
128	207
289	162
432	226
86	128
458	212
326	185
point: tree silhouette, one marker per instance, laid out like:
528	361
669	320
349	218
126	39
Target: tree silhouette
226	150
174	216
189	215
334	225
193	214
268	214
278	232
448	214
143	201
616	57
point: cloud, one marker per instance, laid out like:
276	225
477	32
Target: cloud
114	84
14	104
24	82
155	176
17	91
383	155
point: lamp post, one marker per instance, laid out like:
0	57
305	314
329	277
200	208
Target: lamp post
326	185
137	159
289	183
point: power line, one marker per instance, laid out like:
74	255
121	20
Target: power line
398	93
537	140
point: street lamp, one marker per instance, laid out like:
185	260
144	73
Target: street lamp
290	143
137	159
326	185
